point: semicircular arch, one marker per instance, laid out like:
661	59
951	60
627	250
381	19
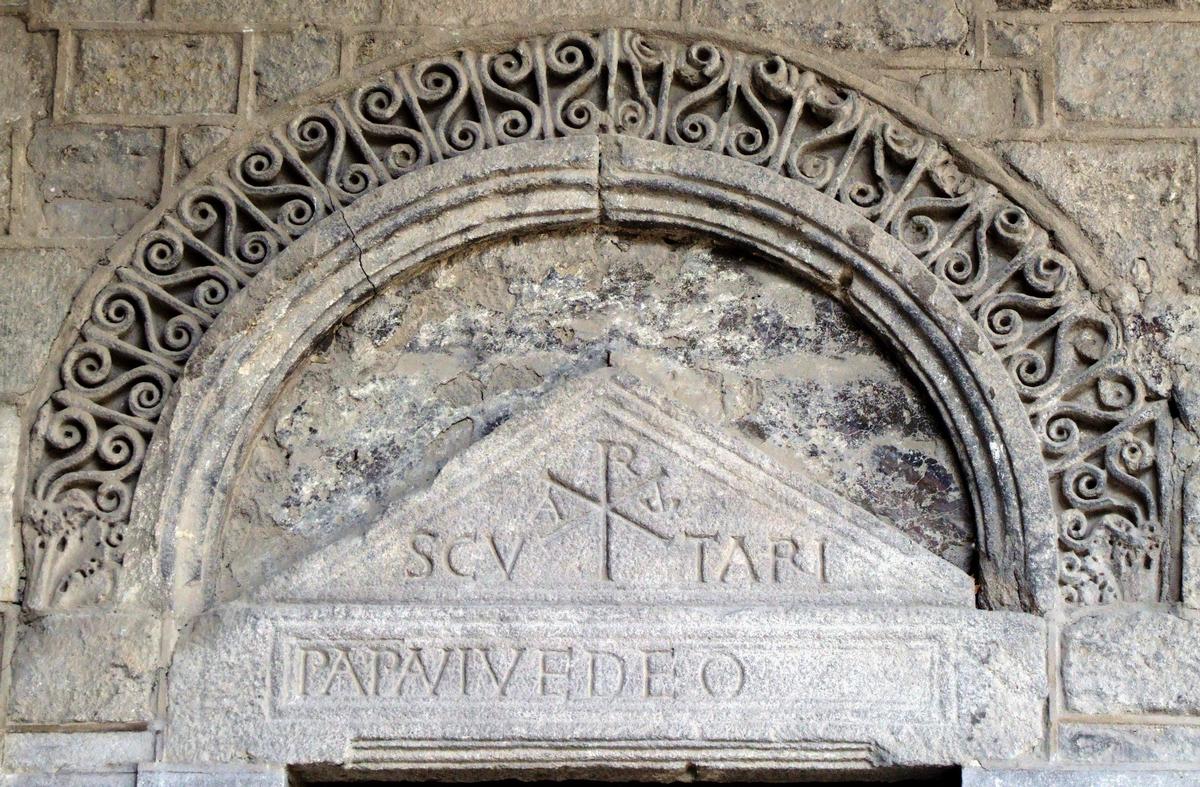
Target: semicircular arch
1070	418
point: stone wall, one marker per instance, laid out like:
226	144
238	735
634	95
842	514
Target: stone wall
107	104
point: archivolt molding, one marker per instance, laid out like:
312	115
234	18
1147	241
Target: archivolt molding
1102	436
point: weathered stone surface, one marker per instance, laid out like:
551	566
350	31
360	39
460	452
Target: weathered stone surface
611	488
6	160
1129	743
975	776
1190	541
833	687
39	286
1031	5
1133	662
486	335
94	181
29	60
10	540
1124	5
465	13
513	379
344	12
154	74
76	751
197	142
1137	202
871	26
971	103
1015	39
114	655
95	10
378	44
1136	74
212	775
85	779
289	63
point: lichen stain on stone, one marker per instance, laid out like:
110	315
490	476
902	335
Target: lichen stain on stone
860	237
437	362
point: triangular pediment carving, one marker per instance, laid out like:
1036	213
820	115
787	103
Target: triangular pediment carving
612	492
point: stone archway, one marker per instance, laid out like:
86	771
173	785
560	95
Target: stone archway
282	668
1061	443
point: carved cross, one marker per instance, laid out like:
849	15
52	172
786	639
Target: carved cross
639	499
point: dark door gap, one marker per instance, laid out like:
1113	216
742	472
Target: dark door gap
941	778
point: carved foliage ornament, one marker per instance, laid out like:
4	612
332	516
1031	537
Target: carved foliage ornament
1101	435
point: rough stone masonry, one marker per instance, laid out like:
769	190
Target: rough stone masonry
688	389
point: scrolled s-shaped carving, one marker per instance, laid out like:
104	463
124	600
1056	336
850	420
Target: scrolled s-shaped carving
1100	428
515	117
703	71
1112	534
577	60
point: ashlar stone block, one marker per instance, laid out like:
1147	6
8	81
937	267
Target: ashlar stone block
517	687
94	181
1129	742
1143	661
1078	777
168	775
154	74
880	25
197	142
77	751
289	63
1137	74
74	779
345	12
1137	202
6	164
971	103
31	56
66	11
40	284
464	13
10	452
98	667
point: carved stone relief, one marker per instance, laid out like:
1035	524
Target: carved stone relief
1101	435
610	582
611	488
434	364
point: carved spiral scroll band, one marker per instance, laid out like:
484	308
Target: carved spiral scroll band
1024	294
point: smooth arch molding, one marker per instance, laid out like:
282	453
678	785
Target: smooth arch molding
222	291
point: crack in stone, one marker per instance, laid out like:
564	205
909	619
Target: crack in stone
358	250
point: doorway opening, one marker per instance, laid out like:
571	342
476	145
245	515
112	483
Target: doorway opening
933	777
